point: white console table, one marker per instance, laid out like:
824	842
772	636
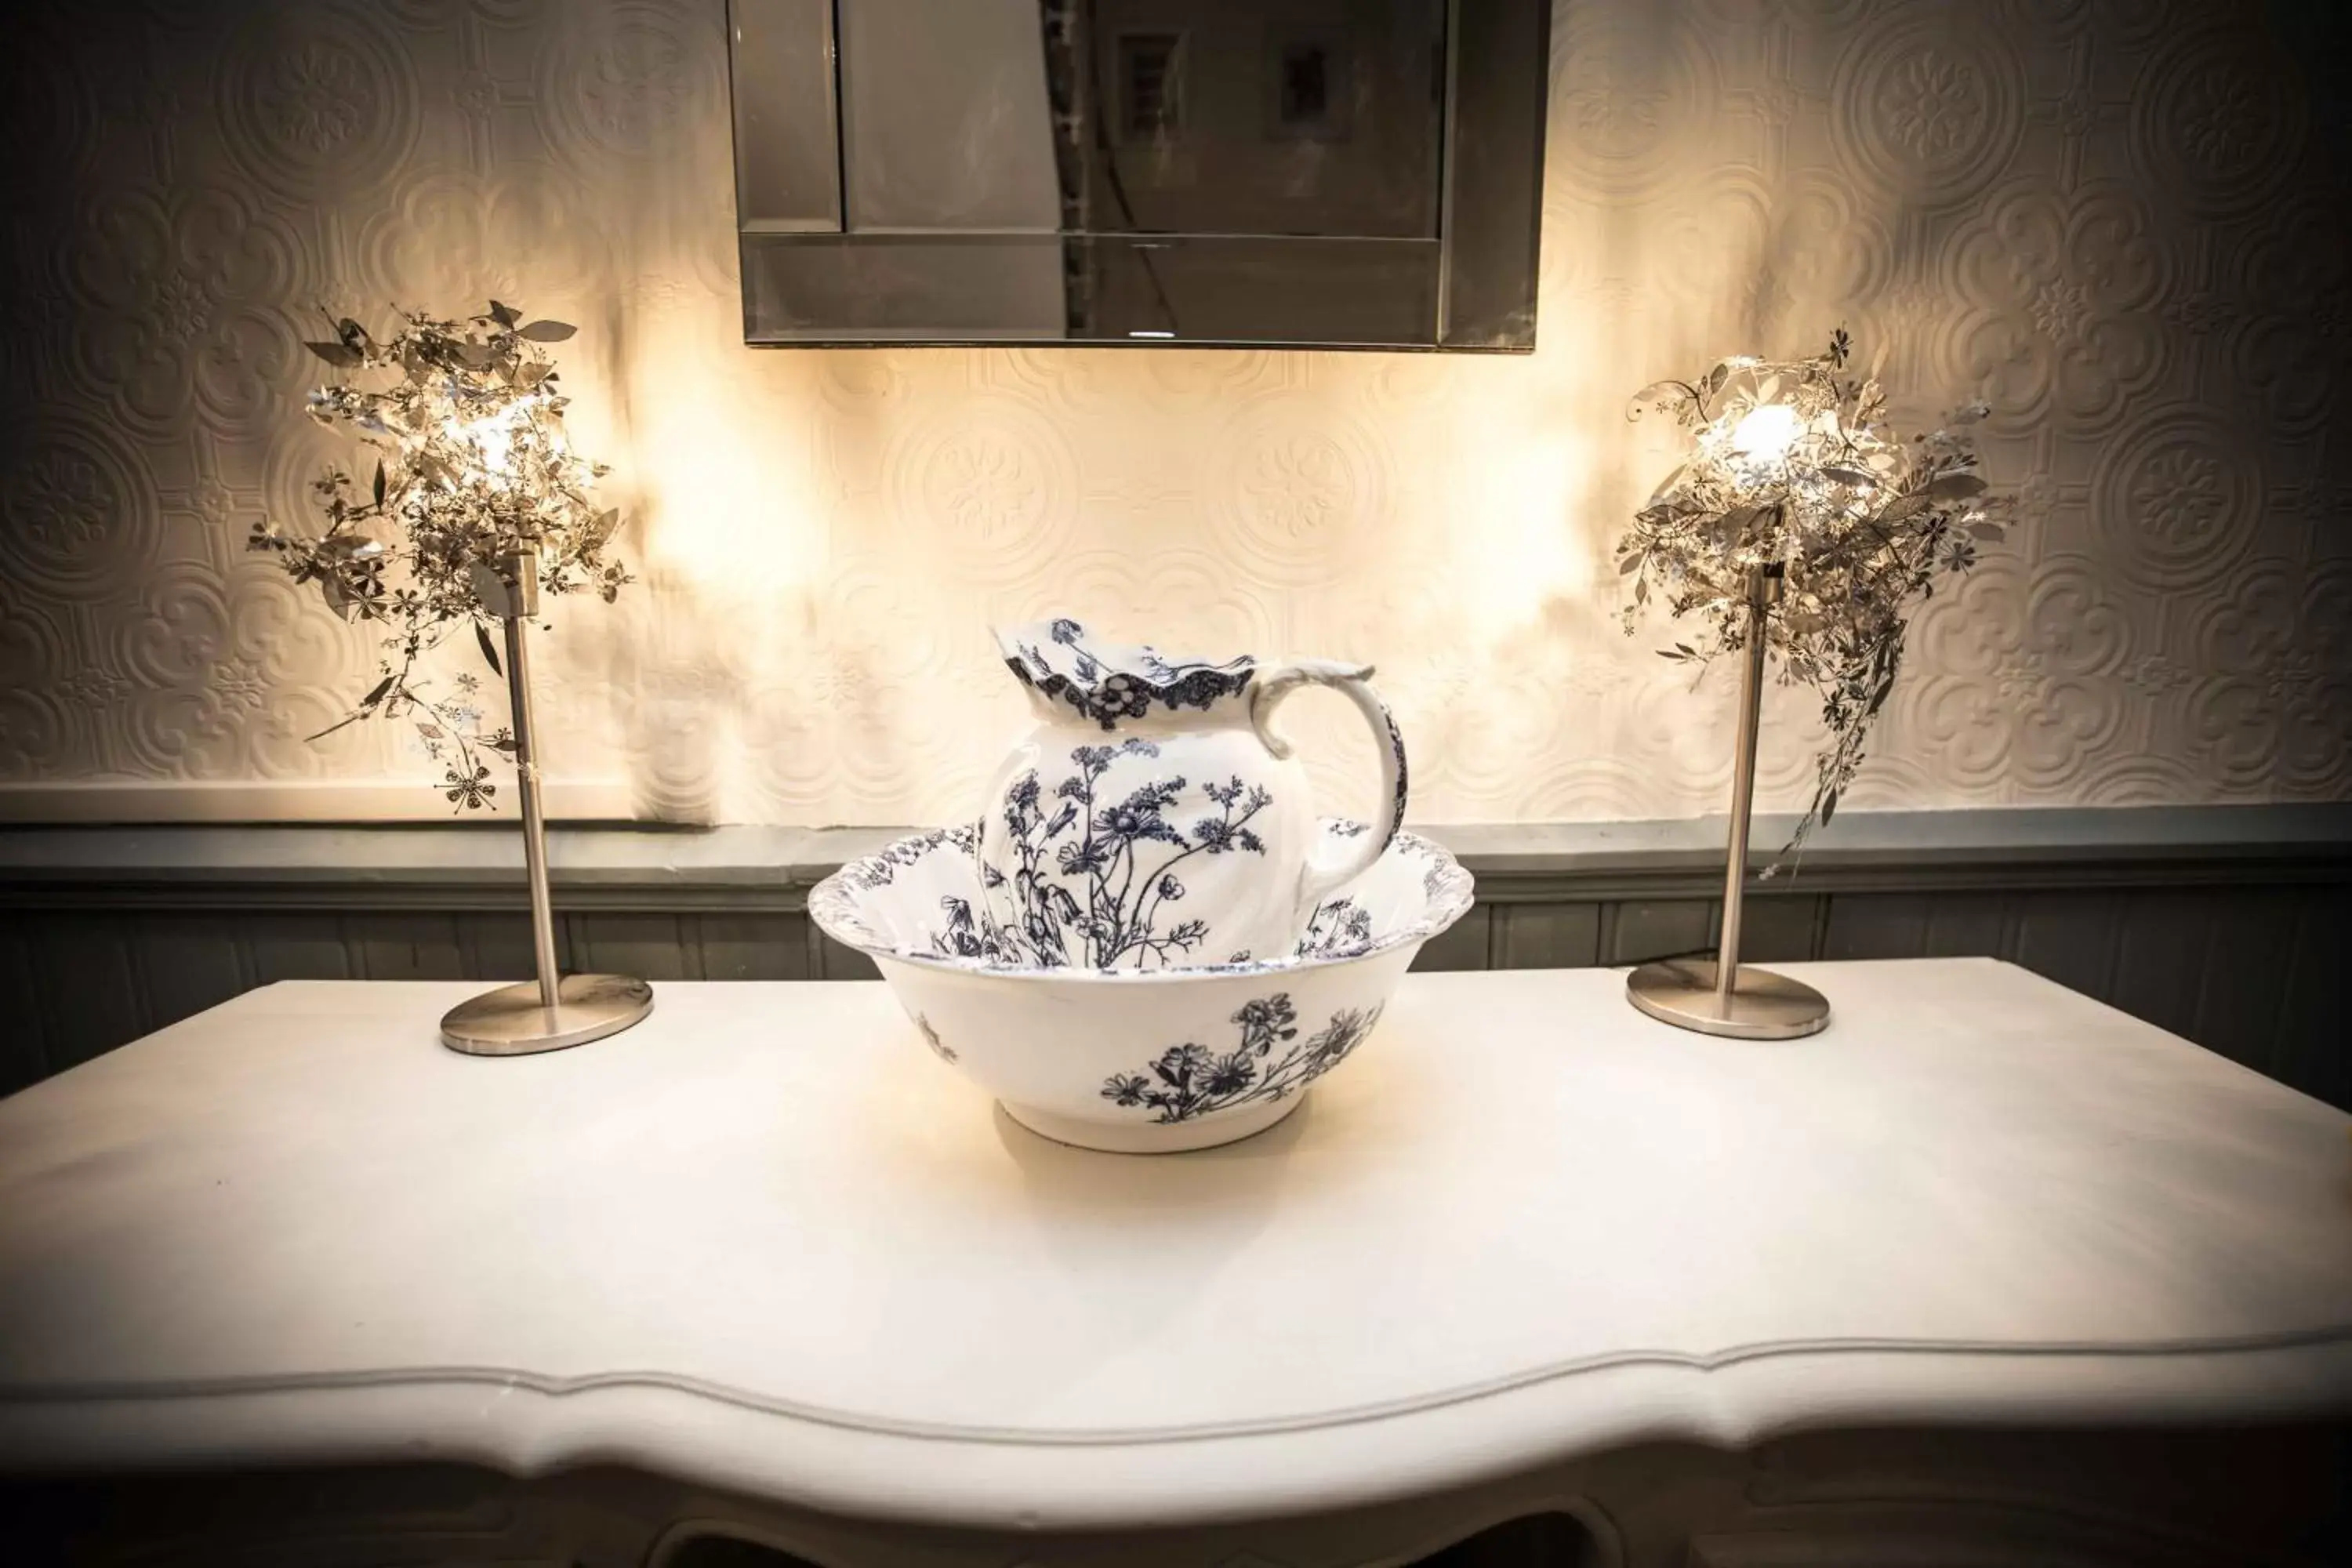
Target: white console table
1986	1269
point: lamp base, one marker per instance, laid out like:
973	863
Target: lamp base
1762	1006
510	1022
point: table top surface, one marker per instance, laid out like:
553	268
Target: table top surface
766	1241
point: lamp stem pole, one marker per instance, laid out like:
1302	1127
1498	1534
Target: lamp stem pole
1721	998
534	818
556	1012
1743	786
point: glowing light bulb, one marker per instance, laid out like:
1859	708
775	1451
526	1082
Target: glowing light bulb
492	437
1766	433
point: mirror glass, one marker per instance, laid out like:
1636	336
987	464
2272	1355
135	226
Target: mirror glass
1314	173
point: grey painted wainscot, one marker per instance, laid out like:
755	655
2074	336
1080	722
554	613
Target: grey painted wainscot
2232	925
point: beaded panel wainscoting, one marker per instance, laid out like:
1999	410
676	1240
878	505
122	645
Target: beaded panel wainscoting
2232	927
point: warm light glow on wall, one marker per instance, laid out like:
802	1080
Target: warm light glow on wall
727	514
823	538
1528	549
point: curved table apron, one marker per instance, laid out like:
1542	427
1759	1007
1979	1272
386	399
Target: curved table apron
766	1243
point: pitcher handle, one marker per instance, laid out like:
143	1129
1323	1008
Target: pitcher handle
1326	871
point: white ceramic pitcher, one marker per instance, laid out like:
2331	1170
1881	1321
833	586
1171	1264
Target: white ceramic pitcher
1152	819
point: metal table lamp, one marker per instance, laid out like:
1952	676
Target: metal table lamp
1719	995
1799	498
555	1010
1716	996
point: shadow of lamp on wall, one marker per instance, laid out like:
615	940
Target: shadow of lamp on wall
1803	526
476	507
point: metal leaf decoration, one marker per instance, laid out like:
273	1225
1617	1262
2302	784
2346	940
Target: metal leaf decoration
473	466
1861	520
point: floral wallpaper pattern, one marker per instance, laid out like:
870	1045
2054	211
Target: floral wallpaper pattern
2116	220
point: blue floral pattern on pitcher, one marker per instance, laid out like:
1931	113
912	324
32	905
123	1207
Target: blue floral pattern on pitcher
1185	837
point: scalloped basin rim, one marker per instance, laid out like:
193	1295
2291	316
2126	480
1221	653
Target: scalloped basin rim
1450	891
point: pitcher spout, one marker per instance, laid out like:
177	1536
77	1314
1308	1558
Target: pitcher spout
1067	671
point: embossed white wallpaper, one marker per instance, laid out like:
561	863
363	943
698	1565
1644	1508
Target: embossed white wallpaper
2112	218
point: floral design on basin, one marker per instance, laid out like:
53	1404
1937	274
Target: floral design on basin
939	1048
1341	928
1189	1081
1140	1060
881	868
